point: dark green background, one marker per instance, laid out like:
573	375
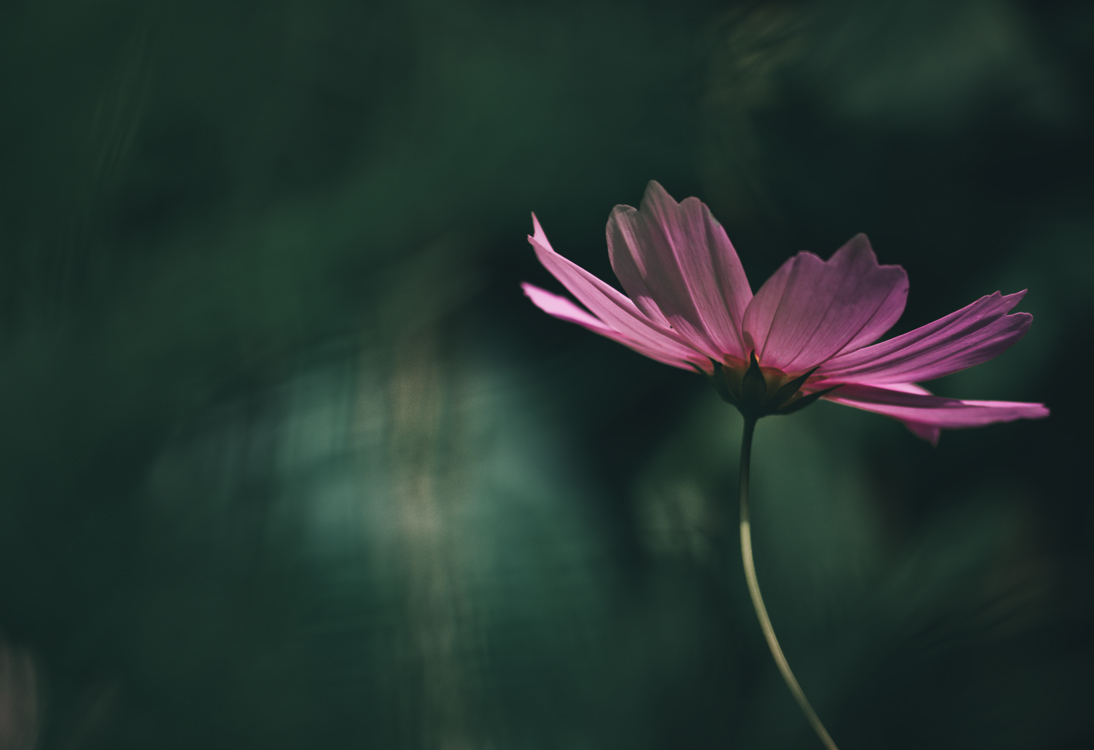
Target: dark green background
288	461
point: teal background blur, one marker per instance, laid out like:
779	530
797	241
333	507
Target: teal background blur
288	461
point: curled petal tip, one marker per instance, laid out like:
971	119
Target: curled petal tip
539	237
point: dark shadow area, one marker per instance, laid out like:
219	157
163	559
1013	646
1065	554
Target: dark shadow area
288	461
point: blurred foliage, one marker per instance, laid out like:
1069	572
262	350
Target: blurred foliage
288	460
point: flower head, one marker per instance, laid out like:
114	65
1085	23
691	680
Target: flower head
808	332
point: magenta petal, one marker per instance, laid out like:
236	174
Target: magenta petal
564	309
923	412
811	310
927	432
613	309
677	264
972	335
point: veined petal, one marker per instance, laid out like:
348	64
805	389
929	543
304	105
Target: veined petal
613	309
973	334
924	413
564	309
811	310
927	432
677	264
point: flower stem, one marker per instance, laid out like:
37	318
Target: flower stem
757	599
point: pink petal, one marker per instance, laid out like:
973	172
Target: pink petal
614	310
564	309
811	310
677	264
972	335
927	432
924	414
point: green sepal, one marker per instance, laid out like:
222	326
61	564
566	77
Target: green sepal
753	385
785	393
720	383
805	401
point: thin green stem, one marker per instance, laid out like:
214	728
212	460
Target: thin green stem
757	600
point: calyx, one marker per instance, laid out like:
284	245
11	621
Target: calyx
760	392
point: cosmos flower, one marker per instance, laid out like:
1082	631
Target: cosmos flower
808	332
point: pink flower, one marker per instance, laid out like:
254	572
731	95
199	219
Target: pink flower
808	332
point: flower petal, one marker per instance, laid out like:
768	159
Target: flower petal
564	309
811	310
973	334
927	432
677	264
924	414
613	309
